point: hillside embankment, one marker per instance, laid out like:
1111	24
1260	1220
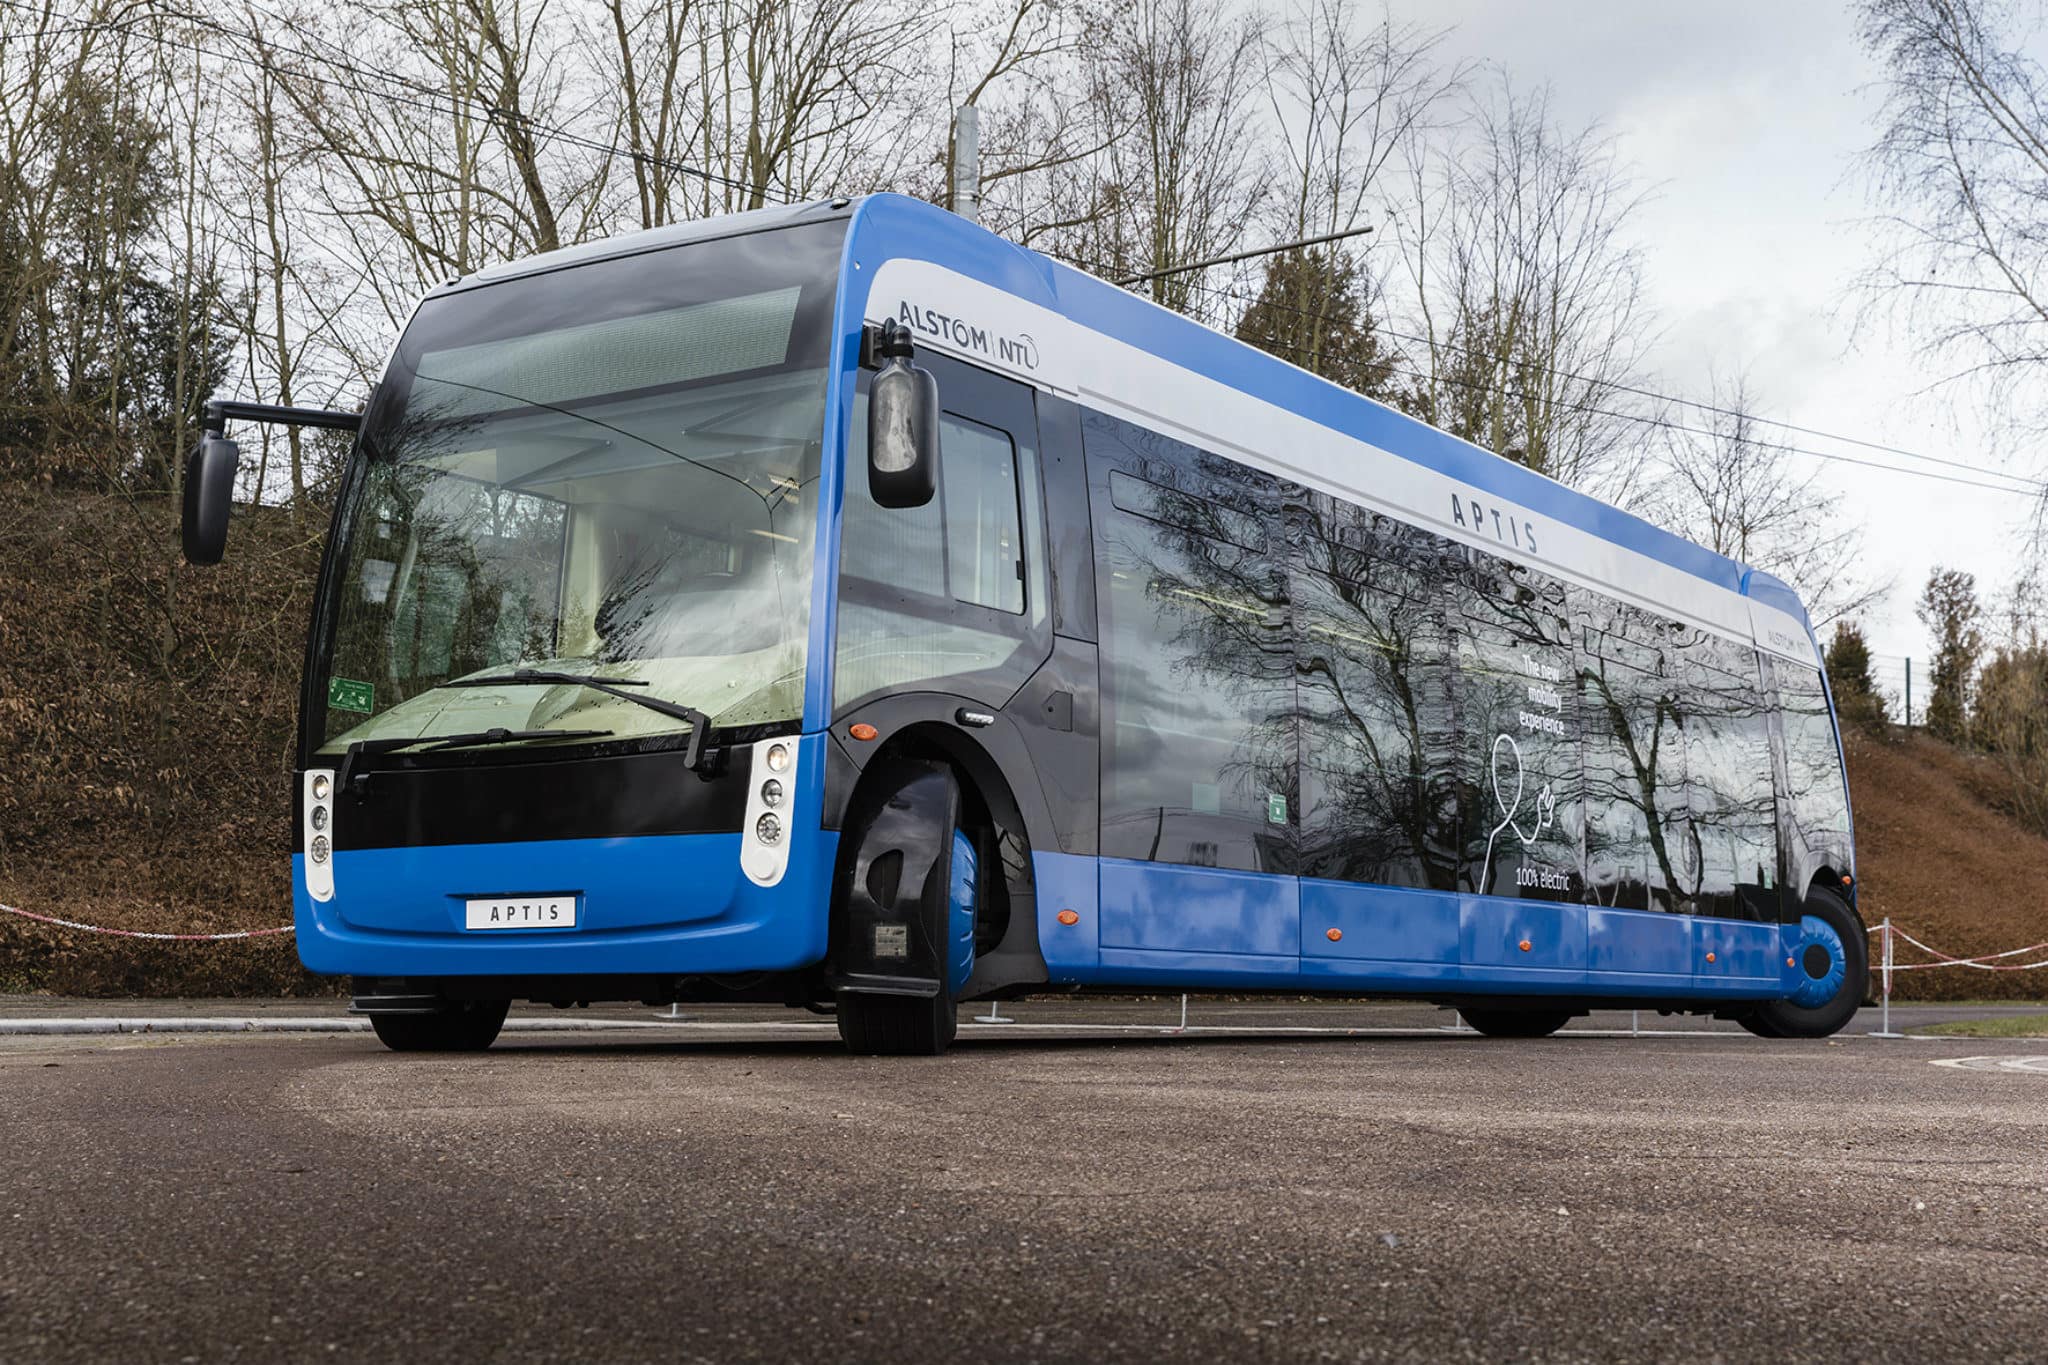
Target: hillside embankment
146	715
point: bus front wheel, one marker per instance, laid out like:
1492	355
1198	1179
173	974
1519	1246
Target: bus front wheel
470	1026
897	1025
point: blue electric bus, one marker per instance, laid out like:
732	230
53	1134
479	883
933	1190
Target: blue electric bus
843	606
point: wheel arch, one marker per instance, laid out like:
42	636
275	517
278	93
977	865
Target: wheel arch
989	800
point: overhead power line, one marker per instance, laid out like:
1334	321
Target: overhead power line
1295	354
1242	256
1698	405
2017	483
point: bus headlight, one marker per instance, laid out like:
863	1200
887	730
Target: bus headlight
768	829
778	758
771	793
319	817
319	850
321	786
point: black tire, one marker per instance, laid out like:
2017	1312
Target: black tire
1791	1019
470	1026
1517	1023
897	1025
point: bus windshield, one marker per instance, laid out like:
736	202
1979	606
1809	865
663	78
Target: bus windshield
606	471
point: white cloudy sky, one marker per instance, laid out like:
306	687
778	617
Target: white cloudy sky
1747	115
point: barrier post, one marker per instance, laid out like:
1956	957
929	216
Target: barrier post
1884	998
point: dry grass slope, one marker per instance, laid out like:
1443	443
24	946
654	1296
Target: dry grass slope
1936	852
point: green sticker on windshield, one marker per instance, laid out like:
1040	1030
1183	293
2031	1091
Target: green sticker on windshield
346	694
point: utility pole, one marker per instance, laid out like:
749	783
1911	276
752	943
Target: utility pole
1909	691
963	194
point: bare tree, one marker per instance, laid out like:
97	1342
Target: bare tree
1727	485
1018	62
1346	98
1526	291
1183	172
1960	168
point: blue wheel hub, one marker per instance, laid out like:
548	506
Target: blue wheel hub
1819	962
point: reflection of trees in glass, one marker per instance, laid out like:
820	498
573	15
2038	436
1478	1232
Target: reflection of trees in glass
1199	664
1634	775
1816	798
1373	671
1678	771
1515	669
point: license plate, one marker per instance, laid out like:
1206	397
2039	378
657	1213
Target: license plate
521	912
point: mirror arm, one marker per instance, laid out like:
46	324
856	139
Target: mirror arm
219	413
881	340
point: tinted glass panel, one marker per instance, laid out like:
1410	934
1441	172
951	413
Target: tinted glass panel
1518	715
1732	840
1197	667
1373	656
1636	801
1816	799
984	537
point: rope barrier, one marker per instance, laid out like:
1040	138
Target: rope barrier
137	933
1983	962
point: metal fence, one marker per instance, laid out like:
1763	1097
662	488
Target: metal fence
1902	681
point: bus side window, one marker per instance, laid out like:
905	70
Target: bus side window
1198	751
1521	761
1373	681
1728	766
984	530
1816	798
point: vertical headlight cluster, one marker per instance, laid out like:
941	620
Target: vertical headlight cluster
764	854
317	834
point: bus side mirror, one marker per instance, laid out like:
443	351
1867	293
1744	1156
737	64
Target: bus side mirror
209	484
903	424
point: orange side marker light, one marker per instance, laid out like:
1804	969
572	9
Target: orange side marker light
1710	957
1333	934
1524	945
1848	881
862	731
1790	963
1068	917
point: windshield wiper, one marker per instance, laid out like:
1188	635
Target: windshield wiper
700	724
500	735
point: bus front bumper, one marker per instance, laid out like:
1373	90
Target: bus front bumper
652	905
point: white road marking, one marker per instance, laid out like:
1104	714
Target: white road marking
2037	1065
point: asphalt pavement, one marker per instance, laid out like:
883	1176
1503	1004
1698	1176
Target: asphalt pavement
738	1189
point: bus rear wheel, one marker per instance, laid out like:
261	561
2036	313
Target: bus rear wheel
1516	1023
1832	962
897	1025
470	1026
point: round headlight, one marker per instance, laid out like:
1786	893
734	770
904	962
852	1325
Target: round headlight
321	786
768	829
319	817
319	850
771	793
778	758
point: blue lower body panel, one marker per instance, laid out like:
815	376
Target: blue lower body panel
1145	924
655	904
